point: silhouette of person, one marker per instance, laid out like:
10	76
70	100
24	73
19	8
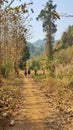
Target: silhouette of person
25	72
29	72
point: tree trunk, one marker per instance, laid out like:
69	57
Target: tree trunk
0	53
0	65
16	68
49	46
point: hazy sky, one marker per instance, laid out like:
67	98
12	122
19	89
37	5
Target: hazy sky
63	6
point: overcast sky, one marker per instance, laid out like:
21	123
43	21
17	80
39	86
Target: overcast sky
63	6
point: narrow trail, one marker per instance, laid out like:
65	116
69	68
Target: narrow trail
33	108
35	104
37	111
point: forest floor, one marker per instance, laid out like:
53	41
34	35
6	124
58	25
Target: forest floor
40	108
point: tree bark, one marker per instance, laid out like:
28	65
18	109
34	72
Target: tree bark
0	53
49	51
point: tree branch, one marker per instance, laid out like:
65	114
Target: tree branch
9	4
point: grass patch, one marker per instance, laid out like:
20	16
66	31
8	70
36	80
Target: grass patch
38	77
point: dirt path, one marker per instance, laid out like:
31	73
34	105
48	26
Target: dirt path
35	104
34	107
38	112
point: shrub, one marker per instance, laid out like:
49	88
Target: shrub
3	71
6	68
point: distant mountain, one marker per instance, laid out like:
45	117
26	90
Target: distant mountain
36	48
39	43
31	47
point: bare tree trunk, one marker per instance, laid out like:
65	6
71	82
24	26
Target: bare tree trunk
16	67
16	51
0	64
0	53
49	49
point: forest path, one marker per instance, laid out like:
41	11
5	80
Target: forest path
39	110
33	108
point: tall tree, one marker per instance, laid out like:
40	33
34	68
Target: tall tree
47	15
12	31
25	55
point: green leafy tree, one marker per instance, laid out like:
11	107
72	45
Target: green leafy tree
67	37
48	15
35	66
25	55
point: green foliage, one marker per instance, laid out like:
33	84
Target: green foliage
66	40
3	71
50	58
35	65
6	68
38	77
25	55
49	25
47	17
22	64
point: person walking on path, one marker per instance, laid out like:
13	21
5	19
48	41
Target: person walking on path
25	72
28	71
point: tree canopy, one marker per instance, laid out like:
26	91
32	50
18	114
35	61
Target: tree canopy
49	26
